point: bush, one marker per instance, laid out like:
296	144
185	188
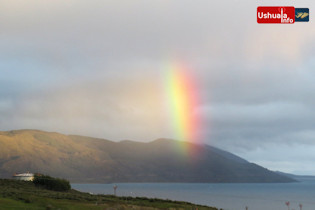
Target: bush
51	183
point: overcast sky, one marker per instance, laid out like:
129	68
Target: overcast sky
98	68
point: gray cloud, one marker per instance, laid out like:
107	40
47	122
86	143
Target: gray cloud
98	69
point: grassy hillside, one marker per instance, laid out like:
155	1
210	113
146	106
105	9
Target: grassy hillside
85	159
48	153
24	195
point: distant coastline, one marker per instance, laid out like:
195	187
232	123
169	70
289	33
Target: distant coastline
86	159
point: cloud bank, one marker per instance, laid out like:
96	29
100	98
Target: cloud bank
98	69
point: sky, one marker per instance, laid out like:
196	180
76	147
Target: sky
99	68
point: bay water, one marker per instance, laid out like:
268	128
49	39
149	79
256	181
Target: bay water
228	196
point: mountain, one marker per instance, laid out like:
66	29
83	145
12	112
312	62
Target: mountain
86	159
300	178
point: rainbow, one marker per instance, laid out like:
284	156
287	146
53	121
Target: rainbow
183	100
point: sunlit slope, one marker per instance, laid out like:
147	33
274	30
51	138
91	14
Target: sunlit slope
50	153
88	159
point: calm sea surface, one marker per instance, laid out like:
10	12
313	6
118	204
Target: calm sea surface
226	196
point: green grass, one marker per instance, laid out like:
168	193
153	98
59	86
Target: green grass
25	195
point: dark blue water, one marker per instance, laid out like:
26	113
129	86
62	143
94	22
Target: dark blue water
226	196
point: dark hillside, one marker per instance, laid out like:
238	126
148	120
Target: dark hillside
85	159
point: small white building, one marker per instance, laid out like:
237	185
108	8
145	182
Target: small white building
24	177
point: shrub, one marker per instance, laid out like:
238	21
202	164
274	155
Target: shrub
51	183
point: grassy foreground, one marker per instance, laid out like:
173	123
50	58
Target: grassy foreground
25	195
